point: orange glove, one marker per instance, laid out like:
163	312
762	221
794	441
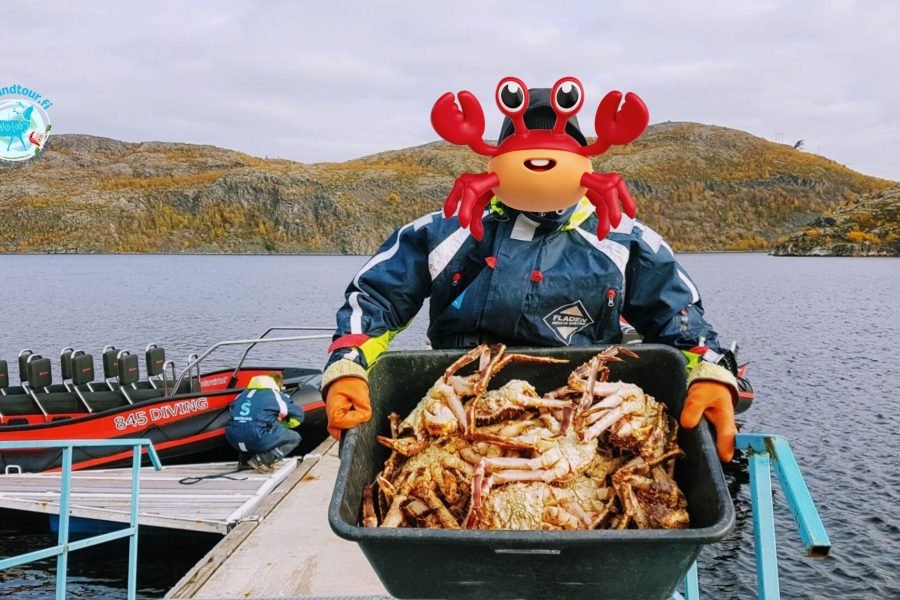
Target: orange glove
347	404
714	400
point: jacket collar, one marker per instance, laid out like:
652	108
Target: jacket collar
549	221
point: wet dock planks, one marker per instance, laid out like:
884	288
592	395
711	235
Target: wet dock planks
204	497
291	552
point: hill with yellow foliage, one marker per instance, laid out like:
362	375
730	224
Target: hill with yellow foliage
702	187
866	226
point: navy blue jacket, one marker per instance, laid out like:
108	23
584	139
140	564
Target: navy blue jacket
262	409
534	280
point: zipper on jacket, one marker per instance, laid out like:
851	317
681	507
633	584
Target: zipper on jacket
611	294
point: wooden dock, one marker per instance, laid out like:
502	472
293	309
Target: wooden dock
204	497
291	552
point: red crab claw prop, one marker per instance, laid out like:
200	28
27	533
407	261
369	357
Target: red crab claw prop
605	191
471	194
621	125
617	126
463	127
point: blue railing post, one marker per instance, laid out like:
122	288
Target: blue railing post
763	527
62	548
762	449
133	541
691	585
62	561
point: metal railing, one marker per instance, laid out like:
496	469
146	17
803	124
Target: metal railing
195	363
764	450
63	546
267	332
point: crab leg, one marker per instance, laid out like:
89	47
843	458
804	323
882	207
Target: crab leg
608	388
632	507
418	511
568	416
386	491
391	463
468	358
573	509
561	518
546	360
385	488
607	421
456	407
604	514
481	487
547	467
587	397
608	355
544	402
489	370
426	493
591	415
370	519
503	442
394	515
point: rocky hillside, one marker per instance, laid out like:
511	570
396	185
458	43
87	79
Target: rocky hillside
867	226
702	187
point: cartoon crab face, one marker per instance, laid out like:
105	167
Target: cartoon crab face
539	169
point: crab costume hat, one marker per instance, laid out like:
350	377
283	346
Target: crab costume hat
534	169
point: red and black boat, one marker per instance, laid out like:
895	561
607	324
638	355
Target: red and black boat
183	414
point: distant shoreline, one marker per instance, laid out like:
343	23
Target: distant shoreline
314	254
310	254
177	254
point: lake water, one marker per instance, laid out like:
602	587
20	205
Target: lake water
821	335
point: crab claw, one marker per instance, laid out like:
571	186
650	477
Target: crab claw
405	446
462	127
471	194
605	191
616	125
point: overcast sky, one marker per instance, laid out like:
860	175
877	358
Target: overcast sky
324	81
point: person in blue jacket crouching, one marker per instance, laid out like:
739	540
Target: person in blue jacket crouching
262	422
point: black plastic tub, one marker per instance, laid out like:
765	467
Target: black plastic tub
430	563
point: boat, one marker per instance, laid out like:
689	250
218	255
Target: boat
184	414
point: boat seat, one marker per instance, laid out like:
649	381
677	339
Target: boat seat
4	377
18	404
60	402
23	365
83	374
155	366
141	395
129	374
24	356
101	401
65	363
111	369
54	402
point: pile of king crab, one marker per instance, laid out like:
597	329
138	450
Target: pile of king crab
592	454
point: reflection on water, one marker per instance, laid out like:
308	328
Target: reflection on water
820	333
